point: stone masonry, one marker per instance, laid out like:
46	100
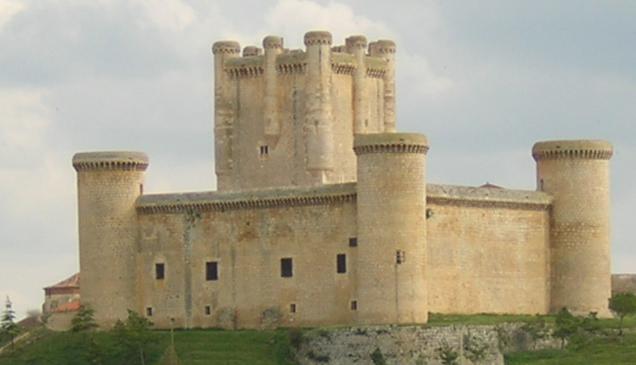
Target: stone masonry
323	214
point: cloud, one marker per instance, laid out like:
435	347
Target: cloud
8	9
168	15
294	18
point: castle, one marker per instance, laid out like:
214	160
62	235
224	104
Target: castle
323	214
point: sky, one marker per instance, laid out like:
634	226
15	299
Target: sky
483	79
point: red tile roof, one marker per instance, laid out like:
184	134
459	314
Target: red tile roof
71	282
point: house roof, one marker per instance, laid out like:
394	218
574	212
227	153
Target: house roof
70	282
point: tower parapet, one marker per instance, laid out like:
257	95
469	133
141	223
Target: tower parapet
391	203
576	173
108	185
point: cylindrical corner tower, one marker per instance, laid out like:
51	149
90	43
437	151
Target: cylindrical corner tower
225	105
108	184
318	114
391	205
576	174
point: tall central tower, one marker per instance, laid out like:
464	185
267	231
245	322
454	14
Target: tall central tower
287	117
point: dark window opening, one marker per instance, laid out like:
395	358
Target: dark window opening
264	150
160	271
541	185
353	242
286	267
292	308
354	305
211	271
208	310
149	311
341	263
141	189
400	256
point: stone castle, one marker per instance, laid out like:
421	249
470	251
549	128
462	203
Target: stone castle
323	214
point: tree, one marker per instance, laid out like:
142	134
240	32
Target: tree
566	325
8	327
134	335
622	304
84	320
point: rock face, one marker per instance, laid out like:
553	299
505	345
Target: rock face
417	345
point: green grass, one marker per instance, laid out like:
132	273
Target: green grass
194	347
232	347
436	319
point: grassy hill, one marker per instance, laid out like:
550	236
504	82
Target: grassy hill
194	347
198	347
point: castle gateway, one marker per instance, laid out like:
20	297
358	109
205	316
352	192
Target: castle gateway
323	214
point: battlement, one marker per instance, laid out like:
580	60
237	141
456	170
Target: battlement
272	103
572	149
110	160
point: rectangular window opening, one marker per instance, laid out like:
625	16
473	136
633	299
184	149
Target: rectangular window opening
292	308
160	271
353	242
286	267
149	311
208	310
211	271
341	263
400	257
354	305
264	150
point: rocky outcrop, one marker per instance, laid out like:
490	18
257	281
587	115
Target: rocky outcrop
419	345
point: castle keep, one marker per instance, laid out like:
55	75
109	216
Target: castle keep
323	214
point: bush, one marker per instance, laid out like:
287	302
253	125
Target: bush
377	357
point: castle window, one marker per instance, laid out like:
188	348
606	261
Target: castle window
160	271
286	267
211	271
292	308
353	242
400	257
341	263
141	189
208	310
149	311
264	150
354	305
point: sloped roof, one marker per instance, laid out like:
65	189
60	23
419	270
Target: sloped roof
70	282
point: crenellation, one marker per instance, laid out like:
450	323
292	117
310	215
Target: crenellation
310	171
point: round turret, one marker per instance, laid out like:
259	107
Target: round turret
318	37
226	47
108	184
576	174
272	41
356	42
391	205
252	51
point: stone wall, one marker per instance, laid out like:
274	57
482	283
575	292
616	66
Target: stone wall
248	243
487	250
